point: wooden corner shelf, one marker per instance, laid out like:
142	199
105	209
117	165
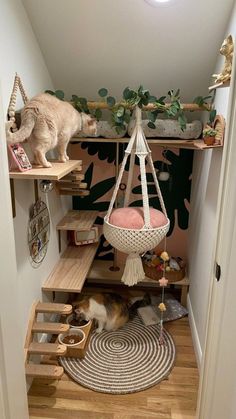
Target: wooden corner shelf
71	271
81	220
168	142
101	274
56	172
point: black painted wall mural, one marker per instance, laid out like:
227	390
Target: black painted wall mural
99	160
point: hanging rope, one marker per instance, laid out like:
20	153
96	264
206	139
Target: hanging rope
135	241
12	103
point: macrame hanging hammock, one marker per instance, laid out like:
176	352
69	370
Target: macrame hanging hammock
136	241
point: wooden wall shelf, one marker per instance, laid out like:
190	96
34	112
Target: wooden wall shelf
56	172
78	220
71	271
101	274
168	142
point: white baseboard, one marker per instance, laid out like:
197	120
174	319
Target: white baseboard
194	332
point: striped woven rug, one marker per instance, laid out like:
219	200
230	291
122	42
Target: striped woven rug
126	361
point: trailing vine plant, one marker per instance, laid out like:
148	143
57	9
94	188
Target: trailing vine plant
121	111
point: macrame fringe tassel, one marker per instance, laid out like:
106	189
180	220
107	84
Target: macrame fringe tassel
133	272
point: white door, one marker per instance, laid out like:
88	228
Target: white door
13	400
217	398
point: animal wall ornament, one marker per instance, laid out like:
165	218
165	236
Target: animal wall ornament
226	50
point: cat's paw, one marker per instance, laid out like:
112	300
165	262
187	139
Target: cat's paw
48	165
98	330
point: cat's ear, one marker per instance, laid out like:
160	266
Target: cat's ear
230	39
91	121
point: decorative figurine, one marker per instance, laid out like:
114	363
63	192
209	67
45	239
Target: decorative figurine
226	49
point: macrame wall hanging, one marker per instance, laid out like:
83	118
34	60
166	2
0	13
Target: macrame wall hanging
136	241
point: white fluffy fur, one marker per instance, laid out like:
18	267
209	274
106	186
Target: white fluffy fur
98	311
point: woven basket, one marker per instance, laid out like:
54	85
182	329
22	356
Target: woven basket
172	276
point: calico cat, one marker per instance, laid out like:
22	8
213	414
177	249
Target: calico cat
48	122
111	311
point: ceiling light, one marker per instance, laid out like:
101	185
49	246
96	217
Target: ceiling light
158	2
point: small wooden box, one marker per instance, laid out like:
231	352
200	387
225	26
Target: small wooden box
79	351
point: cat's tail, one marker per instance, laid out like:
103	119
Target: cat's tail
23	133
145	301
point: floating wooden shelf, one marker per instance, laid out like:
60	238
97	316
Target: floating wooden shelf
78	220
71	271
56	172
168	142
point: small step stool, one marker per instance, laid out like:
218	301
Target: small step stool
32	347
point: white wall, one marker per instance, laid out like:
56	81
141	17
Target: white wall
21	53
203	219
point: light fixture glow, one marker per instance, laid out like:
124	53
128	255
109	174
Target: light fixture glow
158	2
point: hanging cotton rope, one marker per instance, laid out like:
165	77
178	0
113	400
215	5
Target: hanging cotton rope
12	103
129	240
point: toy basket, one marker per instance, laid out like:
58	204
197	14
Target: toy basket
172	276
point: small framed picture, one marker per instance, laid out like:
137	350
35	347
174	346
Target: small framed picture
18	158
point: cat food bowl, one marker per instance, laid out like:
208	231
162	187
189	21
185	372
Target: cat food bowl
77	323
72	338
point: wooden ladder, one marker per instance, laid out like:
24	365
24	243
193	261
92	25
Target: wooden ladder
32	347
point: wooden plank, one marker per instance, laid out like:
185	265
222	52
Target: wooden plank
168	143
78	220
53	372
50	327
66	184
56	172
100	272
72	192
72	176
71	271
53	308
46	349
29	335
150	107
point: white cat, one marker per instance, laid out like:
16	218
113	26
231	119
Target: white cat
48	122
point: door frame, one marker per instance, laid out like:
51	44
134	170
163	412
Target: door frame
215	362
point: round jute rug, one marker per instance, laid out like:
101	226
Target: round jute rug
126	361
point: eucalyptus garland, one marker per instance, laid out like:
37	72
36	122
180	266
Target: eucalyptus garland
121	111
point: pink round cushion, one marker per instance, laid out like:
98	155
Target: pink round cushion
133	218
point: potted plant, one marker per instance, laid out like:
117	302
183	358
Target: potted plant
209	135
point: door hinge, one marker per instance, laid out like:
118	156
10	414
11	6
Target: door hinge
217	272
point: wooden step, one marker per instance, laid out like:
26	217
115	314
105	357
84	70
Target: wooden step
78	220
71	192
46	349
44	371
53	308
72	177
50	327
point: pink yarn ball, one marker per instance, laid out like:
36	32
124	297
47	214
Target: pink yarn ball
133	218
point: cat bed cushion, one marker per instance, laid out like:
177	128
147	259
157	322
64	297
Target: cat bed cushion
168	128
133	218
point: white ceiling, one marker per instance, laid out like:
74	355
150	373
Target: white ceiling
88	44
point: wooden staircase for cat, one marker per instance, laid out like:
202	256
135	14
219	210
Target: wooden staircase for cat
72	184
34	347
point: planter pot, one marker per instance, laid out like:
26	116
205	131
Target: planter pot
209	140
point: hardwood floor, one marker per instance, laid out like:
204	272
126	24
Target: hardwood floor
174	398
